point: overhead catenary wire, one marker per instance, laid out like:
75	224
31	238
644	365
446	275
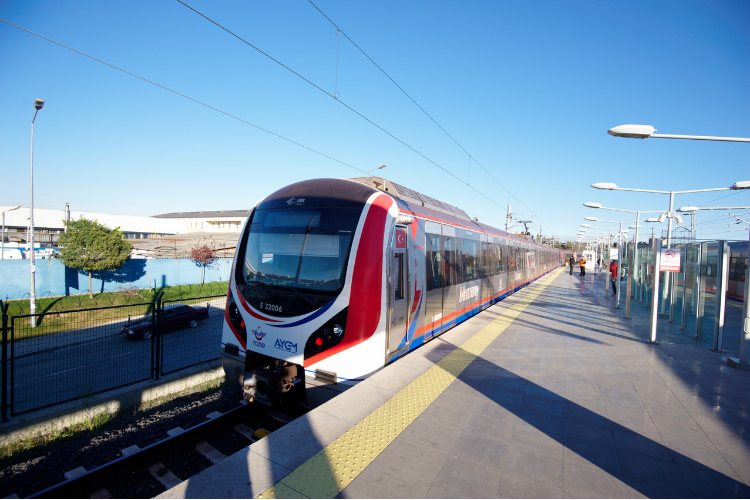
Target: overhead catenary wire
190	98
343	104
339	30
187	97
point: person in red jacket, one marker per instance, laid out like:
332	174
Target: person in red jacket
613	276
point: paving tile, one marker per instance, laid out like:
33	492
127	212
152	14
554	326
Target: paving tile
528	436
702	458
709	483
593	482
542	392
545	422
592	454
504	396
730	443
634	442
402	470
434	431
516	486
491	409
597	432
461	479
740	464
536	466
544	405
647	473
483	450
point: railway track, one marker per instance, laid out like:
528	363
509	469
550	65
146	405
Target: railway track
142	473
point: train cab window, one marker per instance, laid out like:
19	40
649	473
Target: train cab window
433	261
398	285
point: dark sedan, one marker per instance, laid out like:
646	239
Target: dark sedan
174	317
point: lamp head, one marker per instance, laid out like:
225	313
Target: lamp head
741	185
632	131
590	218
604	185
688	209
678	219
653	219
585	225
593	205
661	218
39	104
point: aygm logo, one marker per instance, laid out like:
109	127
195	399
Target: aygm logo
285	345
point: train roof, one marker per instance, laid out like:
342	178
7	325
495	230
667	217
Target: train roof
420	204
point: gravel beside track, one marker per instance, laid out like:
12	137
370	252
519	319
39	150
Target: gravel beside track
31	471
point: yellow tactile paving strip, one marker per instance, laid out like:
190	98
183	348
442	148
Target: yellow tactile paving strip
335	466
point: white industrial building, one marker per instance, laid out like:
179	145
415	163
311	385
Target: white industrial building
49	223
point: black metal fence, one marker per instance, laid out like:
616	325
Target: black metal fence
58	355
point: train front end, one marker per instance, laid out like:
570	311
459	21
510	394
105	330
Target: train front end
305	308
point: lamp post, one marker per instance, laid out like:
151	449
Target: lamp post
743	361
646	131
2	243
38	104
367	174
635	250
671	214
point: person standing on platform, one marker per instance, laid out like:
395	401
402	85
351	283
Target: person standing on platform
572	263
613	276
583	266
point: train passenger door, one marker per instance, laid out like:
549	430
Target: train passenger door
434	276
398	281
448	272
485	269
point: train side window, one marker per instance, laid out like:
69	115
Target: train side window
433	261
469	253
398	286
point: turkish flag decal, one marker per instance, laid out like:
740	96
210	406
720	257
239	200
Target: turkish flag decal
400	239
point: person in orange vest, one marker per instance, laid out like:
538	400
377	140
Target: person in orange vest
583	265
613	276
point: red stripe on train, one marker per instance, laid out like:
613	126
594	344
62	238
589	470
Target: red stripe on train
367	286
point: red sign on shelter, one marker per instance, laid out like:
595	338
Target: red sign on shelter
670	260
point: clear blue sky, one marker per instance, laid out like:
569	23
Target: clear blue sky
529	89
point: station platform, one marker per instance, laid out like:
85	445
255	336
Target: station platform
548	394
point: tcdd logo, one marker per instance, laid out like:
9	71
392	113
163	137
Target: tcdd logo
258	335
285	345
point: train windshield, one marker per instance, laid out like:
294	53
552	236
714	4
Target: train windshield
301	248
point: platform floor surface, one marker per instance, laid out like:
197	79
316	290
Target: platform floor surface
550	393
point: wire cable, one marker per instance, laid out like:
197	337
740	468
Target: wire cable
416	103
188	97
342	103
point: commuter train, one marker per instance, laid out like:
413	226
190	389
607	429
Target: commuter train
335	278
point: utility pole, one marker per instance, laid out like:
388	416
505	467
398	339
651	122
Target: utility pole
507	220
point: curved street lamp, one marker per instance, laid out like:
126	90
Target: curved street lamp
646	131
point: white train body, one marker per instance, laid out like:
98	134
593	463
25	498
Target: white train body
333	279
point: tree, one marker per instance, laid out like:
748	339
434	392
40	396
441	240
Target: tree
203	256
89	246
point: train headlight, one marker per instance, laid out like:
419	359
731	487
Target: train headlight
333	333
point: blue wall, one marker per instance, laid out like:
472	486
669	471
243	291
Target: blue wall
53	278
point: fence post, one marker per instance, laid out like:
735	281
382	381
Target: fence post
4	377
157	339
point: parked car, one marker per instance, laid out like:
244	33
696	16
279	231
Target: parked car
174	317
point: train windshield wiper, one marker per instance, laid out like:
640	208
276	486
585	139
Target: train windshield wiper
307	299
262	288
